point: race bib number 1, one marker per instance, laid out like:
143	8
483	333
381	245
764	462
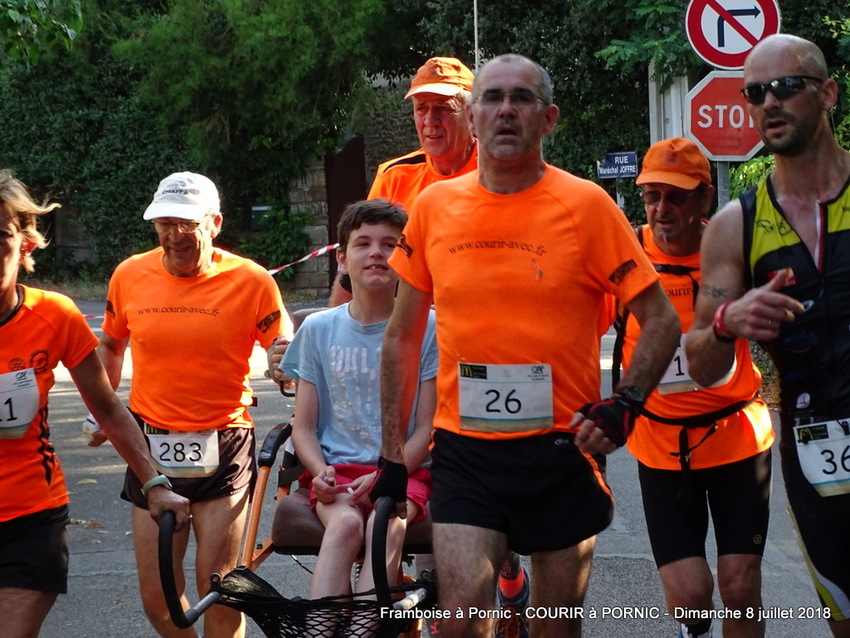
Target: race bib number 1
505	398
824	453
677	379
184	454
18	402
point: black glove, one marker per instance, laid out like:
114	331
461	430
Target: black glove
615	416
391	481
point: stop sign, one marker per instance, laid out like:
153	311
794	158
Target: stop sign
717	118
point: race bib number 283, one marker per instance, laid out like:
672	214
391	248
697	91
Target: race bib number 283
184	454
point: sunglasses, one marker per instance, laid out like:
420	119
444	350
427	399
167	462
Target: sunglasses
183	226
675	197
782	88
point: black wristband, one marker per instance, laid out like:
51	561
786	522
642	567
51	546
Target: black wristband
633	395
391	481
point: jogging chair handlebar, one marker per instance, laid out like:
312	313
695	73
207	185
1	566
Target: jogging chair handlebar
182	619
384	509
271	444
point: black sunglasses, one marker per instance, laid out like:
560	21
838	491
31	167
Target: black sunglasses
782	88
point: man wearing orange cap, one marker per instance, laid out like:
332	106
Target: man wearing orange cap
697	447
439	91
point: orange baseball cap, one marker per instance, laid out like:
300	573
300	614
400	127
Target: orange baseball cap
675	161
443	76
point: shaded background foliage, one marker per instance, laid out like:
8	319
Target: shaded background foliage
29	28
250	92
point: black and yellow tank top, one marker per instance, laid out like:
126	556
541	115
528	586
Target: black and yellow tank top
812	354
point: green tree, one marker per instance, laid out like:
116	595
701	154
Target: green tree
30	27
260	89
80	134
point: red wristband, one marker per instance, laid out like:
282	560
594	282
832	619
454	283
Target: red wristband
720	331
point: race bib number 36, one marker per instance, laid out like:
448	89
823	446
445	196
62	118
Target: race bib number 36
824	453
505	398
18	402
184	454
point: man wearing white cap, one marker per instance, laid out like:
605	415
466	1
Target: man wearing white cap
191	314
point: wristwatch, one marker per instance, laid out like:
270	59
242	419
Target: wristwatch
632	394
162	479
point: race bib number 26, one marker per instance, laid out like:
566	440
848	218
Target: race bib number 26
505	398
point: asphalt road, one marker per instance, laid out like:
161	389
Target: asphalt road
625	594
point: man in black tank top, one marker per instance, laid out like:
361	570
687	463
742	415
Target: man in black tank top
788	287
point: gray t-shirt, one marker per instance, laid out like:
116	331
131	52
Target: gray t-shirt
342	358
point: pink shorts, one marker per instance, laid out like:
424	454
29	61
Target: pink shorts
418	484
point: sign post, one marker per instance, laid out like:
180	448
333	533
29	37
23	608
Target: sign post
617	165
718	121
722	32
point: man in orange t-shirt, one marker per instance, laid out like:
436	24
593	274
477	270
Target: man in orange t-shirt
698	446
439	92
517	258
191	314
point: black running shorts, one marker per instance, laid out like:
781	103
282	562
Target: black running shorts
34	551
737	494
823	523
540	491
237	470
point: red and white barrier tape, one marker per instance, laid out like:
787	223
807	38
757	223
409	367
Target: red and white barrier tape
273	271
315	253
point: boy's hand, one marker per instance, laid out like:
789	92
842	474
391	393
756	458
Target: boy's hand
324	485
359	489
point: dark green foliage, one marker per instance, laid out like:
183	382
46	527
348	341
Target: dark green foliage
260	89
81	135
281	241
250	92
31	28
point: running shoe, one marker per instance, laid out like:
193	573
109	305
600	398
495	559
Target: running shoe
515	626
684	633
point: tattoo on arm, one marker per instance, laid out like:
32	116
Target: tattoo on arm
715	292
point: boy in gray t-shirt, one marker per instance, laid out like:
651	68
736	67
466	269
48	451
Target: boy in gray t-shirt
336	356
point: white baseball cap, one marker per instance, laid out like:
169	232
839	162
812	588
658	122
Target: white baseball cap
185	196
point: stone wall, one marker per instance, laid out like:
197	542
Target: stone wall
311	280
